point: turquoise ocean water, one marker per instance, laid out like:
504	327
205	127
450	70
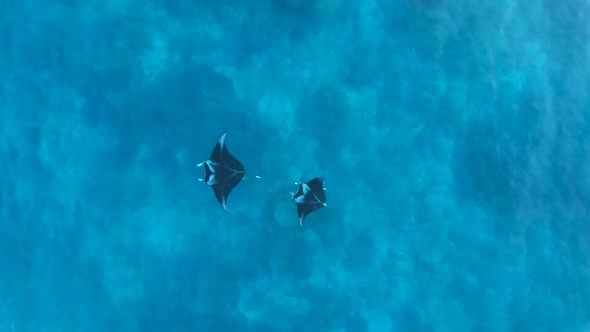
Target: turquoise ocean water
454	137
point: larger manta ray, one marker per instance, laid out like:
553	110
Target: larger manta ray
223	172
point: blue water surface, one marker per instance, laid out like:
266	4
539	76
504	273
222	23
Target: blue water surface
454	136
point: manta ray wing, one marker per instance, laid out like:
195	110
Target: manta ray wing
317	187
302	211
232	163
220	151
220	195
222	191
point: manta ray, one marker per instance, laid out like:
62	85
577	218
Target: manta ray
309	197
223	172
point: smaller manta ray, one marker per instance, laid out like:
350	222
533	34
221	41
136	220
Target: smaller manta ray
223	172
309	197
